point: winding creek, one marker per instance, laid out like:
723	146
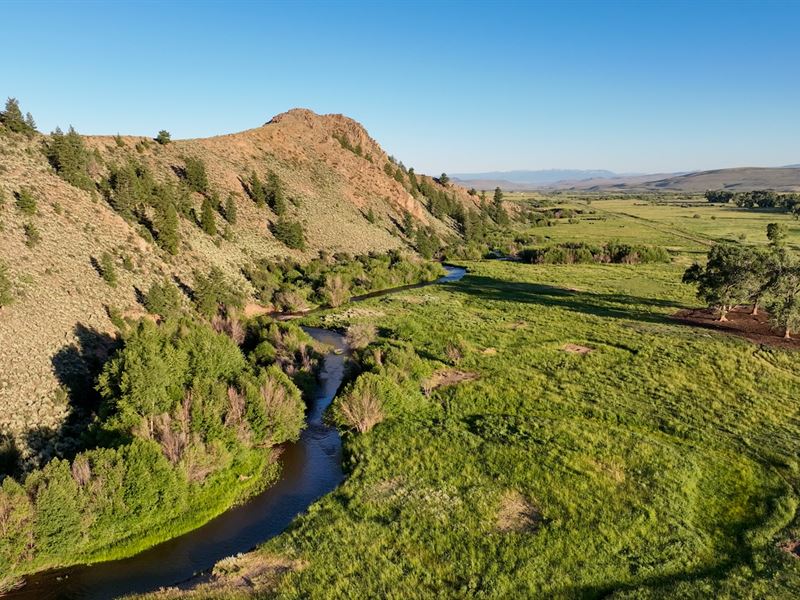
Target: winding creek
311	468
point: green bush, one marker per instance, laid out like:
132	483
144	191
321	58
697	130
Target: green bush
290	233
26	203
6	296
32	235
108	269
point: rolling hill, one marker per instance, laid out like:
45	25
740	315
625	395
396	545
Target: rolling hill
339	184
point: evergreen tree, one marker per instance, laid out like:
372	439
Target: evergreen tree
275	194
163	137
69	157
108	269
207	221
256	190
167	232
230	210
370	216
408	224
444	179
12	118
500	216
195	174
163	299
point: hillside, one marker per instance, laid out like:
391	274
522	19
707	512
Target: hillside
780	179
336	180
524	180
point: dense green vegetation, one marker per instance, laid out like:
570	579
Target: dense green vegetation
789	202
183	430
548	430
581	252
661	462
290	285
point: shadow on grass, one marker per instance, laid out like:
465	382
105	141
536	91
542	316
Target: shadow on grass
617	306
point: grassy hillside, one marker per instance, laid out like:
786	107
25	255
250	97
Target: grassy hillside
337	184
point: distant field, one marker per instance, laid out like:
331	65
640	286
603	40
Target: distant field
684	225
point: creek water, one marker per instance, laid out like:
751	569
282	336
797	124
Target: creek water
310	468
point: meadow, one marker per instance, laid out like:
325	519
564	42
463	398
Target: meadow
589	445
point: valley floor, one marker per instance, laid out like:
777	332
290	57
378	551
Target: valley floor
597	447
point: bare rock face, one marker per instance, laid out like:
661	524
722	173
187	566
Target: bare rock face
332	171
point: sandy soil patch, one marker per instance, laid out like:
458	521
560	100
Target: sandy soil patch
576	349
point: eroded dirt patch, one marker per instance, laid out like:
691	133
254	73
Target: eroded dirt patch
517	514
576	349
448	377
755	328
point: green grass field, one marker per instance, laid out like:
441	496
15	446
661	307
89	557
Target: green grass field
665	462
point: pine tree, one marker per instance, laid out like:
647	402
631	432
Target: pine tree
207	221
69	157
256	190
108	269
12	118
275	194
195	174
167	233
163	137
229	211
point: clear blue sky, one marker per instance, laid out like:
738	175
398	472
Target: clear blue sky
444	86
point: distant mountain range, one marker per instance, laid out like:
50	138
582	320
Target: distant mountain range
782	179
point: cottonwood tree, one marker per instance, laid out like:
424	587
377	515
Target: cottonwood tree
783	300
727	279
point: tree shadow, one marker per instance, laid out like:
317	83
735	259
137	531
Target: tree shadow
76	366
618	306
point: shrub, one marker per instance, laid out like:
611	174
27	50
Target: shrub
163	299
290	233
195	174
68	156
6	296
163	137
361	408
108	270
361	335
26	203
32	235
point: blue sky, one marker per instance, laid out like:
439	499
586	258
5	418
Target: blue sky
444	86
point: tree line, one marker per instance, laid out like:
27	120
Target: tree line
735	274
790	202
